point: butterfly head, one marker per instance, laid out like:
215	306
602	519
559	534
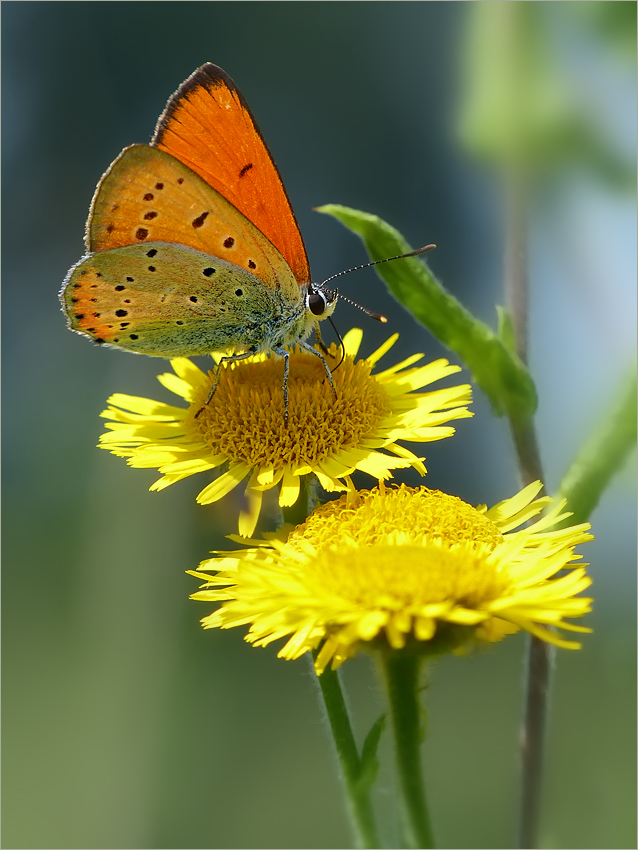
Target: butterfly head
321	301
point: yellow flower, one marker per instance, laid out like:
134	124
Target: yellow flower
403	566
244	425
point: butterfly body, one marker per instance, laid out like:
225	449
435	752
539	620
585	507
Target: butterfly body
192	243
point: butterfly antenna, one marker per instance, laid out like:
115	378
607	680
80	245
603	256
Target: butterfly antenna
416	253
365	310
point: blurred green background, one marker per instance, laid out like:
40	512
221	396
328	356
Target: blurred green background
126	725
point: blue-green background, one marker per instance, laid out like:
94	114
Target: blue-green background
126	725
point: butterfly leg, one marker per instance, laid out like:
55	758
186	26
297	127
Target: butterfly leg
233	358
283	353
319	339
318	354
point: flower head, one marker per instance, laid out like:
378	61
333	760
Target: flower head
244	425
400	565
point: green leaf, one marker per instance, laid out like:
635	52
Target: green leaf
602	455
496	369
369	765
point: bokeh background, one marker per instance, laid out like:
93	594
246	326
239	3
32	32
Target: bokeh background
126	725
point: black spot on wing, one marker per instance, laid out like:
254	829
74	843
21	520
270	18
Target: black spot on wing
245	169
197	222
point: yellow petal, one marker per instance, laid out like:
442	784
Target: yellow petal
146	406
191	467
289	492
188	371
383	349
248	518
352	341
177	385
224	484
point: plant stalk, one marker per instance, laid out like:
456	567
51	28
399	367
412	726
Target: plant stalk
358	793
401	673
539	653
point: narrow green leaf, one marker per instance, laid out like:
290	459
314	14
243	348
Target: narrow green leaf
369	765
602	455
499	373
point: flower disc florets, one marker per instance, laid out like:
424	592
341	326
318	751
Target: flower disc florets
244	426
399	565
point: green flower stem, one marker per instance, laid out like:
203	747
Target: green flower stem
357	789
401	672
539	653
358	792
538	671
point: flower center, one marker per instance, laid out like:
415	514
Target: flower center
405	577
417	513
245	419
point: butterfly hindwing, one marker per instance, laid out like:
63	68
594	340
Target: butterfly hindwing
168	300
208	114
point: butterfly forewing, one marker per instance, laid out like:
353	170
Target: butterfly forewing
208	126
149	196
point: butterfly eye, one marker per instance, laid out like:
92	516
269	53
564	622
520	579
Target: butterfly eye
316	302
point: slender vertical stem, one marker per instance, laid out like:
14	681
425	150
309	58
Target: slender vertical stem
538	671
358	792
539	654
401	671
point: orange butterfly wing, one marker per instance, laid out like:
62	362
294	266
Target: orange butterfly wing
149	196
208	126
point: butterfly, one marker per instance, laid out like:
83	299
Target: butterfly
193	246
